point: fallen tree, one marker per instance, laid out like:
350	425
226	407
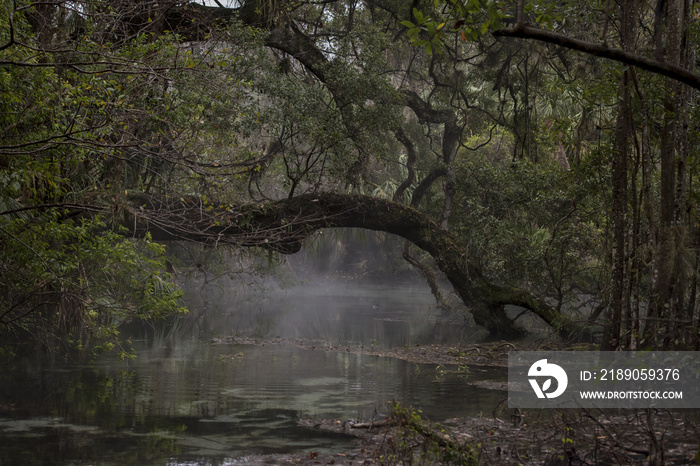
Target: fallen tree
283	225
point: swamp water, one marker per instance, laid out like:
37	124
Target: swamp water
194	396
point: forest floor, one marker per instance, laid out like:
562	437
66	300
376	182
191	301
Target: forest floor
505	436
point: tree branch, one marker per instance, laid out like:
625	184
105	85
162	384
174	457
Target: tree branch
284	224
655	66
11	24
410	163
80	207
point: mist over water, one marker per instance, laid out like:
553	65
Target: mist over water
337	312
194	393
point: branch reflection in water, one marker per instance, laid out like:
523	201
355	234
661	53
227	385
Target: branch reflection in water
187	397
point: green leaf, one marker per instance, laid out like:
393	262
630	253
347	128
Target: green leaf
413	33
484	28
418	15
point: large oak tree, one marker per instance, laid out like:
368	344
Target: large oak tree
259	124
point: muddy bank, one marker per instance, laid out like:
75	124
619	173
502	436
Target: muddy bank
479	354
573	437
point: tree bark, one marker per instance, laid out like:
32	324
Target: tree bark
668	237
615	329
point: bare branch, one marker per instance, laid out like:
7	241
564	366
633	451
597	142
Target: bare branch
81	207
655	66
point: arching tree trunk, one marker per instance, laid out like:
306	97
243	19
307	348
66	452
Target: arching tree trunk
283	225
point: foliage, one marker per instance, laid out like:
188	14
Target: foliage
474	19
528	223
73	140
425	442
71	283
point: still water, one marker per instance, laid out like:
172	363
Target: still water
195	396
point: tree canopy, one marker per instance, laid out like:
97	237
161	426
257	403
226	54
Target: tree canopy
536	154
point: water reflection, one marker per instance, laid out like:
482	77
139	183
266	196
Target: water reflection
186	398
